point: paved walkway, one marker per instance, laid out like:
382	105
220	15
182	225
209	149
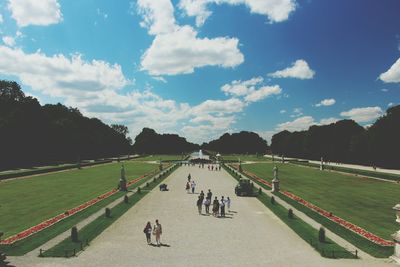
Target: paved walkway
344	165
251	235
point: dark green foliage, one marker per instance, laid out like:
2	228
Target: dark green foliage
31	134
150	142
74	234
240	143
321	235
108	213
346	141
290	214
272	200
139	190
126	199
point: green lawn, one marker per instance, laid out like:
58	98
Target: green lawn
236	157
365	202
158	157
27	202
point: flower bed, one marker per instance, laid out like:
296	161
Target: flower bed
45	224
348	225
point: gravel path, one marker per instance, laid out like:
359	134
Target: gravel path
251	235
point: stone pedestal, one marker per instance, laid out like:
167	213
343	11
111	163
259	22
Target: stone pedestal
122	180
275	185
396	237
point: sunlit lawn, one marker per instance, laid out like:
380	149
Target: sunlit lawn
242	157
162	157
26	202
365	202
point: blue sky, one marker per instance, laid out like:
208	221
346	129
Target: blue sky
200	68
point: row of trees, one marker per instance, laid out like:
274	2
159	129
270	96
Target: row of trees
238	143
150	142
346	141
32	134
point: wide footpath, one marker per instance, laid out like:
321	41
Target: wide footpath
249	235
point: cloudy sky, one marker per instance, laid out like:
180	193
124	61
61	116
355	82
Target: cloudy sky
200	68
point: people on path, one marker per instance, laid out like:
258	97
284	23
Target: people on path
157	231
222	205
147	231
199	203
207	203
215	207
193	185
189	177
202	195
228	204
188	187
209	194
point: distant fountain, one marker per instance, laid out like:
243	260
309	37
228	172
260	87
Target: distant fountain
200	154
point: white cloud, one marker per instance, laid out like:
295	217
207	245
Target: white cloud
250	89
1	18
385	90
391	104
241	88
231	105
326	102
158	16
366	114
33	12
8	40
328	121
181	51
267	135
299	70
262	93
297	112
275	10
177	49
58	75
283	111
299	124
392	75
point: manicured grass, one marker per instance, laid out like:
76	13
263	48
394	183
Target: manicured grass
27	202
162	157
365	202
243	158
328	249
92	230
381	175
34	241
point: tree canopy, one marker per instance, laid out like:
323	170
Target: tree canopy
32	134
239	143
346	141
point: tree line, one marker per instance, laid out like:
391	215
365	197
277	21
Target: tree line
346	141
238	143
31	134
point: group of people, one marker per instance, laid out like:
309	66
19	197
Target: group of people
212	167
218	205
190	185
156	230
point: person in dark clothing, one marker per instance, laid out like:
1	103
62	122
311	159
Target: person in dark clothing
199	204
189	177
147	230
209	194
215	207
202	195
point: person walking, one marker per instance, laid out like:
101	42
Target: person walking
222	205
157	231
209	195
189	177
202	195
188	187
147	231
207	203
199	204
228	204
215	207
193	185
